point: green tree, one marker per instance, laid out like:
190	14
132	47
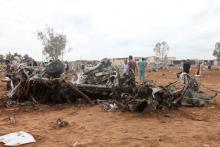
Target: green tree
54	43
216	51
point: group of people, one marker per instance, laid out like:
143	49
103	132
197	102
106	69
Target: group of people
130	68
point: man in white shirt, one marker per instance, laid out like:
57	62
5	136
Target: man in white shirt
125	68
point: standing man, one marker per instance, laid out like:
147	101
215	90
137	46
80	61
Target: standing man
199	69
186	66
142	65
132	69
125	77
209	65
66	66
125	68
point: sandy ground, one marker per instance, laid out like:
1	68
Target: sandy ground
90	126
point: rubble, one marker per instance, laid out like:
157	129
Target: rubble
107	105
61	123
102	84
12	120
37	86
101	74
151	97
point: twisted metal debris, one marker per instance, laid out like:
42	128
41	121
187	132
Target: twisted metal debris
101	84
150	97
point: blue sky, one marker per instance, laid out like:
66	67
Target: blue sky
112	28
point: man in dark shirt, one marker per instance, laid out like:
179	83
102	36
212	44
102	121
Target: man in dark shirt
132	65
186	66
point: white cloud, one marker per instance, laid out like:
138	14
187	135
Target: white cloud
112	28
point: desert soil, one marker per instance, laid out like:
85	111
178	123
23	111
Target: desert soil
90	126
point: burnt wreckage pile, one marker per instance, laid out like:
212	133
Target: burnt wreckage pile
43	85
101	84
150	96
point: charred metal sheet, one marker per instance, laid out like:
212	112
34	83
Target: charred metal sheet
101	74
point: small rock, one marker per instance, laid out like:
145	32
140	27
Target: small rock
163	121
206	145
12	120
61	123
211	107
75	144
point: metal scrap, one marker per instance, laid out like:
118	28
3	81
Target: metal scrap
151	97
37	87
101	74
102	82
61	123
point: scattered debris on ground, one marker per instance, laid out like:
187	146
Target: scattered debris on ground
61	123
17	138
